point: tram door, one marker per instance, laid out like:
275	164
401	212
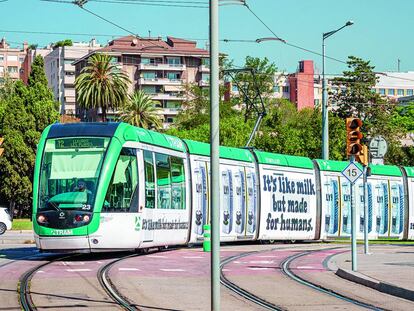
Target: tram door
149	172
120	221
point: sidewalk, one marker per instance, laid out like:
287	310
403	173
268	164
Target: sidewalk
17	237
388	269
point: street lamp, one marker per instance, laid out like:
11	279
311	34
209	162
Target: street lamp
325	124
260	40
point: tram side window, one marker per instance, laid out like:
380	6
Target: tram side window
149	179
163	180
178	183
122	195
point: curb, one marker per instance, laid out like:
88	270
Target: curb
375	284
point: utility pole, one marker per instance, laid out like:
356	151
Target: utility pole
215	157
398	64
364	181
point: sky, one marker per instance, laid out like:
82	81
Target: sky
382	30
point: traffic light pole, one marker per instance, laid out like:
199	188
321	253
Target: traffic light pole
364	176
353	225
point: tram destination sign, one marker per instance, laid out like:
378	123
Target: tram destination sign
352	172
78	143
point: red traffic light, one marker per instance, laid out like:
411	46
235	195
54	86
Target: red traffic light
353	136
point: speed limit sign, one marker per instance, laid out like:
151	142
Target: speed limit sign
352	172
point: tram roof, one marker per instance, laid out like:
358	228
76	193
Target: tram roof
283	160
339	166
409	170
203	149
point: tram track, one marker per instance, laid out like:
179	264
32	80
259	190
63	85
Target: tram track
23	287
286	269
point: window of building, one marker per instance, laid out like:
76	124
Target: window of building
373	90
276	88
391	92
1	69
173	75
170	120
382	91
192	62
115	59
409	92
234	88
148	89
1	58
12	69
21	59
400	92
173	60
69	61
149	75
69	73
316	102
130	59
205	62
12	58
286	89
122	194
205	77
149	179
172	104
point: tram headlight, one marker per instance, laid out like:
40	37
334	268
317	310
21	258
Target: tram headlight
86	218
41	219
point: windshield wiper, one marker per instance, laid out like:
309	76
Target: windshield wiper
56	207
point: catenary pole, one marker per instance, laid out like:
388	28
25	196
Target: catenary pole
325	124
353	225
366	249
215	159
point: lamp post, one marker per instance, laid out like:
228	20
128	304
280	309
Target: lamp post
325	124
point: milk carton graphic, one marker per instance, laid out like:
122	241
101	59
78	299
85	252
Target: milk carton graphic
382	208
397	208
346	208
200	199
369	201
251	202
239	204
361	206
331	207
227	184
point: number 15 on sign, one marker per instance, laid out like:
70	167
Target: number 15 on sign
352	172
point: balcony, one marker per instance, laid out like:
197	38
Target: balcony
203	83
162	66
171	111
70	79
203	68
166	96
69	67
159	81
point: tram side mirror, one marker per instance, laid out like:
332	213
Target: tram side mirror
368	171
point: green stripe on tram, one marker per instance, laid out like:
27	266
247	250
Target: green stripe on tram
283	160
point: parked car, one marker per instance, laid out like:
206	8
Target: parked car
5	220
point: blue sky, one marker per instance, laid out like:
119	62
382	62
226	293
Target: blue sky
382	31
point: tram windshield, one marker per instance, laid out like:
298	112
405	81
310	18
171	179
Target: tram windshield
70	171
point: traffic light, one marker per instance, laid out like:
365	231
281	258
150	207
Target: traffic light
363	158
1	149
353	137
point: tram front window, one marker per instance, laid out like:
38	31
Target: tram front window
69	173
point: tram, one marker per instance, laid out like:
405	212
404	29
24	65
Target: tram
112	186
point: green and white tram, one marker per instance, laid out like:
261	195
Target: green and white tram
112	186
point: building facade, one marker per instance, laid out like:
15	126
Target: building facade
159	68
60	72
395	84
11	61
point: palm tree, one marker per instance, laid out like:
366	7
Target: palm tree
101	85
140	111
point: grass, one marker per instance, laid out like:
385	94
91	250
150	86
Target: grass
22	224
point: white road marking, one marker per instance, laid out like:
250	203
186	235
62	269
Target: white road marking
305	267
129	269
77	270
172	270
40	271
156	256
193	257
258	268
262	261
72	263
225	270
100	262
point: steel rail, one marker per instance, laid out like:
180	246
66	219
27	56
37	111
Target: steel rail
242	292
285	267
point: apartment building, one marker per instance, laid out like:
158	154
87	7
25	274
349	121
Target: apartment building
157	67
395	84
60	72
11	60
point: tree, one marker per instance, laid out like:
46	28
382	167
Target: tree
101	85
140	111
27	111
66	42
